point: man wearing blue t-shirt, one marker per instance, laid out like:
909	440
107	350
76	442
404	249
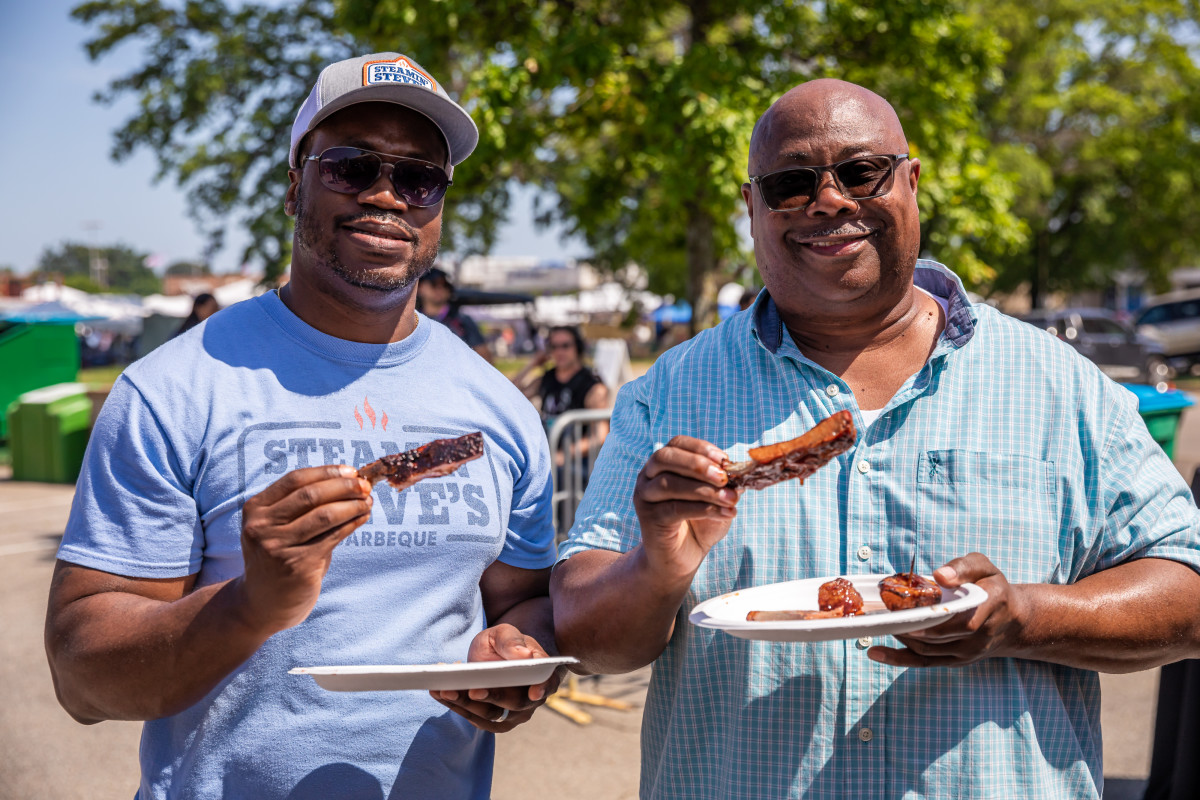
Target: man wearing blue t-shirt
220	535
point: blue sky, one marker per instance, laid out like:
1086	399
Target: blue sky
60	183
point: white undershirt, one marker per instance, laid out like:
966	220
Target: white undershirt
869	417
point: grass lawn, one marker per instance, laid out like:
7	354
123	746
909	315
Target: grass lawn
104	376
100	376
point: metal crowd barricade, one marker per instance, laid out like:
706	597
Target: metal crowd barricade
569	433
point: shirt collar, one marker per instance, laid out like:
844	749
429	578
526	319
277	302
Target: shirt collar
768	328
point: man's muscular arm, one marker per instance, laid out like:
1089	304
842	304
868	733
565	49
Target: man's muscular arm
135	648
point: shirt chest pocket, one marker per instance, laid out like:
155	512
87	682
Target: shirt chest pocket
1002	505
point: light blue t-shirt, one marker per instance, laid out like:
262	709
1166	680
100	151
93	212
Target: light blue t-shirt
1006	442
214	417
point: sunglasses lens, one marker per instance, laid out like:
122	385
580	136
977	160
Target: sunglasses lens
348	170
792	188
418	183
865	177
858	179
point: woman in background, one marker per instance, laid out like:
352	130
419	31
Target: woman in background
566	386
203	307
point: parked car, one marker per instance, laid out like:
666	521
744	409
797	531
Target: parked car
1117	349
1173	320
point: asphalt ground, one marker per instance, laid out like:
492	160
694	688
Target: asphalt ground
45	754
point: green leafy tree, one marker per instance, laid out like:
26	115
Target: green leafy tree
83	283
634	118
217	91
1097	118
188	268
121	268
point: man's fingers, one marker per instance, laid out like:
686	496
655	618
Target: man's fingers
671	514
908	658
485	716
666	486
699	446
327	519
964	623
313	496
301	477
322	522
971	568
332	538
699	466
512	697
501	642
540	691
510	643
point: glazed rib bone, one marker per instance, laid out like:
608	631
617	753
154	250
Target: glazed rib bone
430	460
795	458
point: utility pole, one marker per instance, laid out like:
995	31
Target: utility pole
97	264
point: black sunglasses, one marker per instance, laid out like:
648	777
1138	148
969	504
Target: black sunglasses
859	178
350	170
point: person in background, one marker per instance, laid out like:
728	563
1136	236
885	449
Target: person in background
221	534
987	453
747	299
435	299
568	384
203	306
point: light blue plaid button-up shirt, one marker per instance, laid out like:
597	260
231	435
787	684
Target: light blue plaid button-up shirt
1007	443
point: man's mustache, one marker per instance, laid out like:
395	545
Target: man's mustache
381	217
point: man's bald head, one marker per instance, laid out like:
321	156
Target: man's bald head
831	254
829	107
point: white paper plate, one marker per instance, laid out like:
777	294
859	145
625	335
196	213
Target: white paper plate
727	612
442	677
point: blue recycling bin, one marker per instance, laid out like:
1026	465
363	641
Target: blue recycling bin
1161	410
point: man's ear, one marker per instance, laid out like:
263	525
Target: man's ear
293	192
748	196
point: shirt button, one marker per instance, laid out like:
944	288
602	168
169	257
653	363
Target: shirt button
864	467
866	735
864	553
832	390
864	642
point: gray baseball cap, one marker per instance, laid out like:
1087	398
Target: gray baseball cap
386	78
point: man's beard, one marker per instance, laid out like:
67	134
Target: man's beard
307	237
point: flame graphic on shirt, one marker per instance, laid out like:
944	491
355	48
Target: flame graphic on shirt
383	421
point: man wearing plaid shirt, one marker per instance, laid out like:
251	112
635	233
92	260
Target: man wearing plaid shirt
987	450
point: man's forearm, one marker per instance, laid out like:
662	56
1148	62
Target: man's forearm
612	611
1134	616
116	655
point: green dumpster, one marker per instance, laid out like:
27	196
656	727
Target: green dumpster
33	356
48	432
1161	409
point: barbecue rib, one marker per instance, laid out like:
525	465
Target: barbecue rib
908	590
431	460
792	616
796	458
839	594
835	598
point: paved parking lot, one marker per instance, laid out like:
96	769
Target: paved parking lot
44	754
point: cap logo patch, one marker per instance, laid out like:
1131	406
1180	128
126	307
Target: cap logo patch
399	71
